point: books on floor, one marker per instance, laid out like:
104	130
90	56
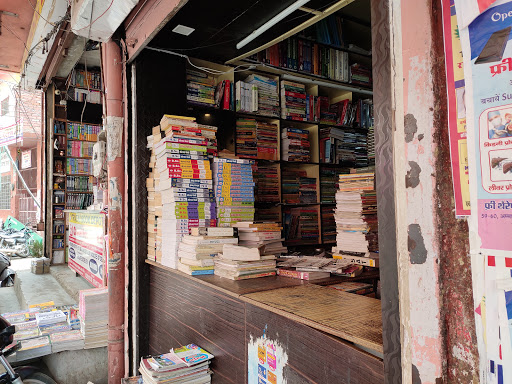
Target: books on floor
356	215
93	313
196	251
234	191
185	365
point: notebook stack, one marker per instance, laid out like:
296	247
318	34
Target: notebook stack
197	250
241	263
93	314
66	341
266	236
295	145
293	101
185	185
266	178
267	98
234	191
256	139
356	215
185	365
200	88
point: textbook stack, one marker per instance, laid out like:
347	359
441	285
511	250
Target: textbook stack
256	139
234	191
66	341
200	88
197	250
184	197
265	236
240	263
266	98
93	315
356	215
293	101
185	365
154	200
32	348
295	144
266	178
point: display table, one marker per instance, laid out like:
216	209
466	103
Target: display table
318	329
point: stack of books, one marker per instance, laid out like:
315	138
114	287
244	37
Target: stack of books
290	185
312	264
293	101
328	185
239	263
266	179
197	250
47	330
256	139
93	314
301	225
32	348
66	341
234	191
49	318
360	75
371	146
328	225
200	88
356	215
182	181
266	236
225	95
295	144
185	365
307	190
266	98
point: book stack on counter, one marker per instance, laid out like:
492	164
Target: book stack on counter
293	101
197	250
295	145
256	139
185	365
301	225
234	191
266	236
184	197
93	314
356	216
241	263
200	88
319	267
266	179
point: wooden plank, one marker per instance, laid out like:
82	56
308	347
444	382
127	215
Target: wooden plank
183	311
351	317
237	288
313	356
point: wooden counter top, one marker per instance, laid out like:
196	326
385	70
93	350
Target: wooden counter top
351	317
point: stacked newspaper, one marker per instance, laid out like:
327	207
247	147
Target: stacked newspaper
93	313
185	365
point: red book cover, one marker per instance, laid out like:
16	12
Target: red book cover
227	94
295	94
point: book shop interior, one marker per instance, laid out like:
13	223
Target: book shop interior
259	229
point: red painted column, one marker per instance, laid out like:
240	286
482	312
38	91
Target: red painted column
112	66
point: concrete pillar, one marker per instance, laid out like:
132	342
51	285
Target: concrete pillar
112	66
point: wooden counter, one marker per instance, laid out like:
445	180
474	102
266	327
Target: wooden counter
224	315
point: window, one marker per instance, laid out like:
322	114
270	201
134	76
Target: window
4	107
5	192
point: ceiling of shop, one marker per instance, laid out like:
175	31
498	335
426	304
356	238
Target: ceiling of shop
220	25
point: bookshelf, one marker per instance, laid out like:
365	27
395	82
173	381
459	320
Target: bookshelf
271	203
72	179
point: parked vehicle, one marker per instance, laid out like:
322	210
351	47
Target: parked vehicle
7	275
19	375
17	240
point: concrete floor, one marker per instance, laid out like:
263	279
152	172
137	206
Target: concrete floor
8	300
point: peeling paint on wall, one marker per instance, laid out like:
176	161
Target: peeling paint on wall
411	127
416	245
114	128
266	360
412	179
114	196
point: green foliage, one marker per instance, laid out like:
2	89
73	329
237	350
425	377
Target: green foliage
36	249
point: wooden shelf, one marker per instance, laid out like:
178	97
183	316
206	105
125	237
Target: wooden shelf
68	191
79	157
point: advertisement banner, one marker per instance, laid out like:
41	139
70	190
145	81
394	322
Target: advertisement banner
11	134
86	241
456	92
488	55
26	159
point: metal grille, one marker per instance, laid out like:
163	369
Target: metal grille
5	192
